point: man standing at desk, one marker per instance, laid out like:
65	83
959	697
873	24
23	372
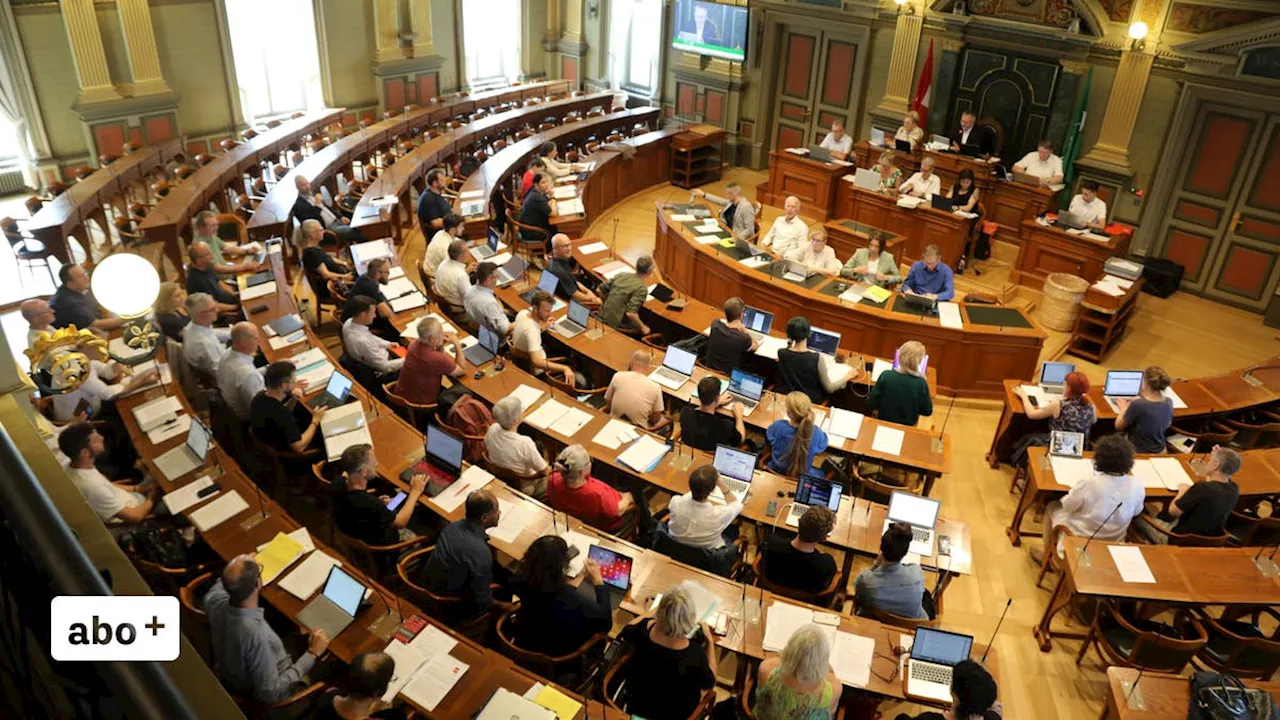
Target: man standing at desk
737	212
970	134
930	277
624	294
1088	208
1042	164
924	184
837	141
788	232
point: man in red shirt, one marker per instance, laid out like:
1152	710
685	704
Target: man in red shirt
425	363
571	489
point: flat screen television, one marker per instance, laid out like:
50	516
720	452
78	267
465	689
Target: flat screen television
710	28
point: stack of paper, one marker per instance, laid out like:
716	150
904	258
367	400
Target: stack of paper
399	286
1178	402
593	248
1146	472
908	201
407	662
1034	391
546	414
434	680
683	218
610	269
1171	472
1103	286
120	350
528	396
316	378
851	657
1131	564
877	294
562	706
308	360
852	295
571	422
410	301
433	641
758	261
303	581
705	603
278	554
769	346
644	455
164	377
949	315
514	518
471	479
570	207
844	424
565	193
615	434
187	495
783	620
155	413
878	367
1070	472
219	511
300	536
888	440
170	429
583	542
707	239
504	704
279	342
257	291
798	151
398	271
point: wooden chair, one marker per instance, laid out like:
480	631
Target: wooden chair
874	487
161	578
832	596
377	560
615	680
456	610
160	188
526	484
1172	538
1205	434
548	666
1255	430
1247	527
226	144
1051	561
416	414
1126	643
276	461
593	396
26	249
1241	648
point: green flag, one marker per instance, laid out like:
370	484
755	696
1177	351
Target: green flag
1075	136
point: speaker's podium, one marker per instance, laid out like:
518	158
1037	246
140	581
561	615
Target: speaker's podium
813	182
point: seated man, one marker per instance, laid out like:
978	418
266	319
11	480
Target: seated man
632	395
39	317
573	490
432	205
924	184
736	212
248	655
799	562
838	142
202	279
482	306
704	427
537	210
205	230
624	294
816	255
1088	207
426	363
204	346
376	274
563	267
890	585
452	279
359	694
239	381
362	345
310	206
1041	163
696	521
73	303
462	563
930	277
438	248
275	413
364	516
728	342
510	450
788	230
526	336
120	503
1202	508
319	264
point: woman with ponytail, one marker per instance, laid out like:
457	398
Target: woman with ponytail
795	440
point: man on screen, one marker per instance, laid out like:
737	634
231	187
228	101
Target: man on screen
701	30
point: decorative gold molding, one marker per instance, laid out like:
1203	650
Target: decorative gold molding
423	40
1112	147
902	65
386	30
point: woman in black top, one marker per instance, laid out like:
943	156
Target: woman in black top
668	672
798	365
536	211
973	696
171	312
964	192
554	617
703	427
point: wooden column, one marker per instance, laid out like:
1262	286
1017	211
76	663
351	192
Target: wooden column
1112	147
86	50
572	21
423	42
140	40
902	64
386	30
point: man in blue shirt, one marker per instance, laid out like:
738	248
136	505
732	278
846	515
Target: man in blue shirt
432	205
930	277
889	585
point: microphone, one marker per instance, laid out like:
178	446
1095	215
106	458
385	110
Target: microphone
1083	557
1132	702
938	441
1008	603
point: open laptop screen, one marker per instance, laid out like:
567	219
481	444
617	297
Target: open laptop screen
818	491
682	361
940	646
745	384
344	591
734	463
198	438
488	339
493	239
578	313
1055	373
757	320
1123	383
824	341
548	283
339	386
913	509
444	448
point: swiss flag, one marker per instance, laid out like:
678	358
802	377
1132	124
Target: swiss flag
924	89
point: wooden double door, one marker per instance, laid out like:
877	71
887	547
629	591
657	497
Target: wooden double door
1223	217
818	76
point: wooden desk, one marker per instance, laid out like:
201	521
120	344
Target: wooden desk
1164	697
813	182
922	226
971	362
1050	249
1183	576
1012	203
1225	393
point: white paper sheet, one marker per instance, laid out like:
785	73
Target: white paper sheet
528	396
1034	391
306	578
514	518
757	261
407	661
570	207
1070	472
471	479
644	454
315	379
1131	564
546	414
851	657
1146	472
219	511
707	239
1178	402
413	300
583	542
852	295
705	603
683	218
769	346
257	291
300	536
1105	287
571	422
845	423
888	440
949	315
1171	472
593	248
398	287
434	680
433	641
308	359
396	272
878	366
565	193
336	445
615	433
781	622
171	429
279	342
471	194
185	496
155	413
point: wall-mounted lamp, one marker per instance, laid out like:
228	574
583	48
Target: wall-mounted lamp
1138	34
593	9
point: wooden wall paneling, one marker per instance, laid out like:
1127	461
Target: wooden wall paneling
393	93
569	67
158	128
1219	150
1245	271
715	106
109	138
1189	250
428	86
685	94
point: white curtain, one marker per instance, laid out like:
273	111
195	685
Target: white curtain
13	77
635	43
491	34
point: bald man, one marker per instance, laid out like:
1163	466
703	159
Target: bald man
788	231
632	395
462	563
201	278
564	267
39	317
310	206
238	380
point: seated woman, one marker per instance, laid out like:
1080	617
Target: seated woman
871	265
571	489
171	311
795	440
910	130
556	618
902	395
964	193
1074	412
973	696
1103	504
668	672
800	369
799	684
1146	418
890	176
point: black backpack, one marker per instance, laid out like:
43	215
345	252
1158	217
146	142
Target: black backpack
159	542
1218	696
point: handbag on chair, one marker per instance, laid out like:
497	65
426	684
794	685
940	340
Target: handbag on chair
1219	696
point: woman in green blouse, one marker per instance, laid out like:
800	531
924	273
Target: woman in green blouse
870	265
890	176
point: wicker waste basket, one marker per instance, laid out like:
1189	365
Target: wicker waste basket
1062	295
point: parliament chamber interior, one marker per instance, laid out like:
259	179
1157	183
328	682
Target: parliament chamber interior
574	359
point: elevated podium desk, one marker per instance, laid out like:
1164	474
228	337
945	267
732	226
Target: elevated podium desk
1050	249
921	226
847	236
972	361
813	182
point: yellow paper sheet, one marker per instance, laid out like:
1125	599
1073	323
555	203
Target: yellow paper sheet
877	294
727	242
565	707
277	555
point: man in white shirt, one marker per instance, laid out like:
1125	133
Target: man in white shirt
788	231
695	520
512	451
203	346
39	317
95	389
480	303
816	255
116	503
361	344
1042	164
526	335
837	141
452	280
238	380
924	184
1088	207
632	395
438	248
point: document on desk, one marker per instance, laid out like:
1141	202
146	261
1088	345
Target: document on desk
316	378
1178	402
610	269
187	495
1108	288
571	422
413	300
407	661
219	511
119	349
434	680
471	479
433	641
781	622
644	455
705	603
570	207
279	341
513	519
336	445
1033	391
844	423
949	315
593	248
876	294
683	218
757	261
276	556
707	239
561	706
1131	564
546	414
397	271
257	291
851	657
411	331
308	360
878	367
303	581
471	195
398	287
769	346
888	440
565	192
615	434
153	414
1147	473
583	542
1068	471
1118	281
852	295
300	536
170	429
528	396
1171	472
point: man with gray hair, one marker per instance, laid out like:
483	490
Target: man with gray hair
788	231
1197	509
452	279
310	206
238	380
360	514
512	451
737	212
632	395
624	295
426	363
205	230
923	184
204	346
202	279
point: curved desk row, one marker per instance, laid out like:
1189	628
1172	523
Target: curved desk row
994	342
170	219
273	212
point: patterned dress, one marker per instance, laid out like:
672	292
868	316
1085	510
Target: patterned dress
1075	414
776	701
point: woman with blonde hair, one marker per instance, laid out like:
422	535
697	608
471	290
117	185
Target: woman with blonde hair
671	665
910	130
796	439
890	175
170	310
799	684
901	395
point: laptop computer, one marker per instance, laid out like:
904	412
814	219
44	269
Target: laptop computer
1065	443
443	455
934	655
942	140
615	569
1026	178
335	393
877	137
819	153
574	323
513	269
970	150
866	179
746	389
1053	376
336	605
547	282
188	456
745	249
921	513
489	249
1070	221
902	145
1121	384
824	341
484	350
259	278
677	368
796	271
924	362
919	303
942	202
758	322
662	293
736	467
813	490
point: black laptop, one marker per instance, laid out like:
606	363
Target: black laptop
335	394
902	145
265	276
942	202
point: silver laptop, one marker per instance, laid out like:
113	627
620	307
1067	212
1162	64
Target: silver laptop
513	269
1122	384
877	137
574	322
934	655
813	490
336	605
746	389
757	321
187	456
487	250
484	350
921	513
1071	220
736	468
826	342
796	271
677	368
866	179
1053	376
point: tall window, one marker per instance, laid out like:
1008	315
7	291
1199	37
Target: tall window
8	142
273	44
491	34
635	43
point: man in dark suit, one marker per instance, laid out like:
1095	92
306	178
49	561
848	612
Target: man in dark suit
310	206
969	133
701	28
